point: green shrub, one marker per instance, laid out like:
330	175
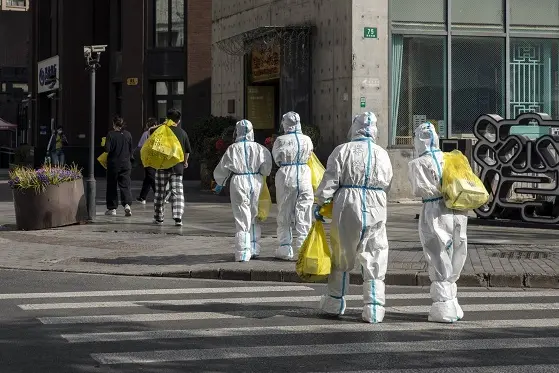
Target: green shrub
313	132
210	127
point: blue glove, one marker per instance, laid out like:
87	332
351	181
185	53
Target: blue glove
218	189
317	215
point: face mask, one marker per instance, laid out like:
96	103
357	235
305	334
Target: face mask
59	131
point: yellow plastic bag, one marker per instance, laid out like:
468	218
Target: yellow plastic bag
103	157
317	171
326	210
162	149
314	262
264	201
462	189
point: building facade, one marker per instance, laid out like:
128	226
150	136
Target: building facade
158	56
15	32
409	61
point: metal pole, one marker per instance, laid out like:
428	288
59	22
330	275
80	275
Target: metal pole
90	182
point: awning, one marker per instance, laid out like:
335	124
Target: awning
5	126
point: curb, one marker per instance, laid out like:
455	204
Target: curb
484	280
512	280
510	223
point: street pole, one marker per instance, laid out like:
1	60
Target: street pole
90	183
92	63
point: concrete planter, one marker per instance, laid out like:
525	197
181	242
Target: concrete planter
56	206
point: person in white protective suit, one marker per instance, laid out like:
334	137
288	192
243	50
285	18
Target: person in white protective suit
246	162
442	231
294	193
357	178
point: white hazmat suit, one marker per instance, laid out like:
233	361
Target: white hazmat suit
294	193
442	231
246	162
357	178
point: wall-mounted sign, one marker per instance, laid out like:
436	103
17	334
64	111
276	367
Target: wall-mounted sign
132	81
362	102
48	75
370	33
265	64
261	103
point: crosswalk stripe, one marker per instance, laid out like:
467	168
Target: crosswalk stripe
254	300
270	313
306	329
317	350
540	368
84	294
147	317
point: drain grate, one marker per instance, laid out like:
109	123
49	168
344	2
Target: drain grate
521	255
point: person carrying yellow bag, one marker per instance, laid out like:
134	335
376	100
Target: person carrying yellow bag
442	231
167	149
247	163
357	178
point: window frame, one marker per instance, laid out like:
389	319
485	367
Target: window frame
507	32
169	97
169	26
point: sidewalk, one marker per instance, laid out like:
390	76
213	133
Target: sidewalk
203	247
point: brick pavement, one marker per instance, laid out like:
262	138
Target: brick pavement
202	248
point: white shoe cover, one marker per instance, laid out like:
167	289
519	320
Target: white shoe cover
242	256
285	253
374	299
444	312
332	306
443	308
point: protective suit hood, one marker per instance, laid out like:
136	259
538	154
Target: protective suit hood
363	125
291	122
425	139
244	131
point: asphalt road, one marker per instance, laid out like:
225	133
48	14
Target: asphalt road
60	322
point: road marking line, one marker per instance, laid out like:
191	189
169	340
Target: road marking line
162	356
144	317
251	300
304	329
114	293
297	312
540	368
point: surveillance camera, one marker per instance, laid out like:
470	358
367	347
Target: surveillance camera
87	52
98	48
51	95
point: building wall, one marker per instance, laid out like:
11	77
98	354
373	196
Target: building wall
331	64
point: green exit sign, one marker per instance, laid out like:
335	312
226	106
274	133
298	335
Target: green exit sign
371	33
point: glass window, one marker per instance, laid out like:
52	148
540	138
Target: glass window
168	94
477	12
545	13
161	23
169	23
533	74
177	23
421	11
478	80
118	98
418	85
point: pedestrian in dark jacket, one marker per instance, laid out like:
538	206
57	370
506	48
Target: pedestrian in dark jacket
119	148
